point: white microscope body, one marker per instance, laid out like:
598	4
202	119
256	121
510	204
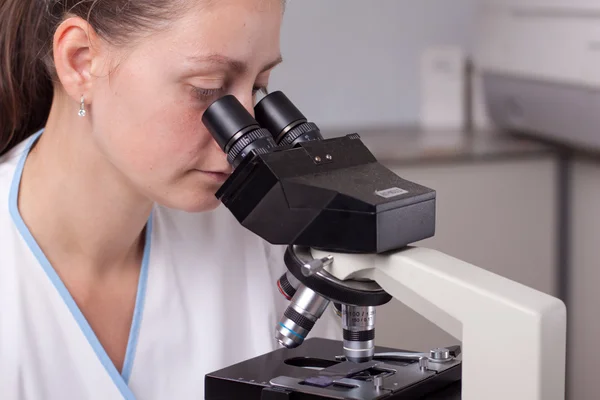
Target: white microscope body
291	186
513	337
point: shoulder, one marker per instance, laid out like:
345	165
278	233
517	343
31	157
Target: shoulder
10	160
8	165
10	238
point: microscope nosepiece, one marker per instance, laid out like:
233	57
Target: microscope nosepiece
305	309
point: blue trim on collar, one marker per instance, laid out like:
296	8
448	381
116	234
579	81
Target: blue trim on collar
139	307
120	381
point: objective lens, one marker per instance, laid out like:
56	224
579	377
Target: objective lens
286	123
288	285
359	333
234	129
305	309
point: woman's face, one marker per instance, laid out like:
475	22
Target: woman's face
147	114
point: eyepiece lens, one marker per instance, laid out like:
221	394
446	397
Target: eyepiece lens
225	118
235	130
276	113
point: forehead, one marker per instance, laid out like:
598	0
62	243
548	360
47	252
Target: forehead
247	30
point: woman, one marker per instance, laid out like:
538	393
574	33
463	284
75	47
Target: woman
120	275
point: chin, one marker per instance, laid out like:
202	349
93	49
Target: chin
193	204
201	207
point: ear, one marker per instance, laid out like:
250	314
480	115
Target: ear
76	46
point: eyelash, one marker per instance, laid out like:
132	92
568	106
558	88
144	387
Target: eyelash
207	94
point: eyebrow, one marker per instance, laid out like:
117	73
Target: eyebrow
235	65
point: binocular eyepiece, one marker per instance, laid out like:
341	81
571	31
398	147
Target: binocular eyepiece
278	122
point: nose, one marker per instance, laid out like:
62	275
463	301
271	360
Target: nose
248	102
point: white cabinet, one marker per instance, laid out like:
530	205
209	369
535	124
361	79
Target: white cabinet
497	214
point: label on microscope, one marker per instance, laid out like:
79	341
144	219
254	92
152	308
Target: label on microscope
391	192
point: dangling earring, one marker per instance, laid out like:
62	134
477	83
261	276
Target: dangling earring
82	112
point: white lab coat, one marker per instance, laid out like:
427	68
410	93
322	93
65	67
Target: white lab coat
207	298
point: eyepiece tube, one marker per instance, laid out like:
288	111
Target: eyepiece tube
235	130
276	112
305	309
287	124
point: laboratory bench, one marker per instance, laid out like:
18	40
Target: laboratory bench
411	145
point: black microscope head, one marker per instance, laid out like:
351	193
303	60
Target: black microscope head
329	194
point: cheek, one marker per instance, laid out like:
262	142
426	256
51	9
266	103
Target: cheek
173	133
144	125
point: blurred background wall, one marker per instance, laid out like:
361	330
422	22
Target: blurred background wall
352	63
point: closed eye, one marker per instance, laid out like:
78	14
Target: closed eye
206	94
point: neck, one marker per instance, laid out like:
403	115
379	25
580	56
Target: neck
89	216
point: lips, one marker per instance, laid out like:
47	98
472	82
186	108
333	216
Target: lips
221	171
218	176
218	173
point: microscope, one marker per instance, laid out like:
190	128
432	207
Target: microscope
349	225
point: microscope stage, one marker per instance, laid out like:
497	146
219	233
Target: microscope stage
312	372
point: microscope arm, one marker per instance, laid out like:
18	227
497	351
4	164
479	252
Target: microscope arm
513	337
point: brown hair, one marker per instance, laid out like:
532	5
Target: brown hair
26	64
